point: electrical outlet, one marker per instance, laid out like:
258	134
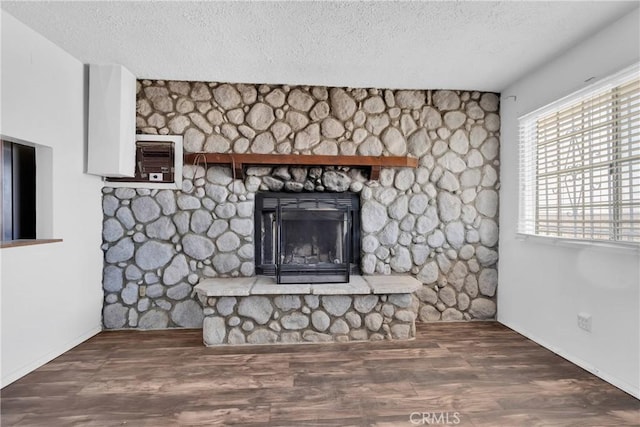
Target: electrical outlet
584	321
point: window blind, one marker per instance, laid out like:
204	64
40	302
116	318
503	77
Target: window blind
580	164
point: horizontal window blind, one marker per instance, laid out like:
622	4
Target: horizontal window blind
580	164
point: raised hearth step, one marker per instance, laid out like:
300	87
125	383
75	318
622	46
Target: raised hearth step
264	285
256	310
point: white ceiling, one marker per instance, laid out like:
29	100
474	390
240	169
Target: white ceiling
430	45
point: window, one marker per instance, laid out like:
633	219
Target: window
580	164
18	191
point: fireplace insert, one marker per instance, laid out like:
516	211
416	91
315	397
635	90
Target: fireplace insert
307	237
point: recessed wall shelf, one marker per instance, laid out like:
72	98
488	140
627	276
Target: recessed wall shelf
238	161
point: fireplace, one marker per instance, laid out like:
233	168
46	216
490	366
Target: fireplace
307	237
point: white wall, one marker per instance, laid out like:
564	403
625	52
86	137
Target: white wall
543	286
50	294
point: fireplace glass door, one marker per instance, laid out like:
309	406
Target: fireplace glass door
313	245
306	239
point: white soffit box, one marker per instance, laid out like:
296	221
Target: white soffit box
112	125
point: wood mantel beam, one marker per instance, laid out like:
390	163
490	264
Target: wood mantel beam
238	161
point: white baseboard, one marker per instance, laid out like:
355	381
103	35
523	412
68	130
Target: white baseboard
33	365
611	379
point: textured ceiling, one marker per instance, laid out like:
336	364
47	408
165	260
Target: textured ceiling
454	45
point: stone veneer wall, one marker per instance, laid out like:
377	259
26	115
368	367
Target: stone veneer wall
307	318
437	222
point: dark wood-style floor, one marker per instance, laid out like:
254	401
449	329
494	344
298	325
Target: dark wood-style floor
476	374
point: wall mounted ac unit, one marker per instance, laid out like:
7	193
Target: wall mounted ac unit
158	163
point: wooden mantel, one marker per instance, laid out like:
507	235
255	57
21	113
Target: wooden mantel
238	161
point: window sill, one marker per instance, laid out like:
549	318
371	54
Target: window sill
27	242
578	243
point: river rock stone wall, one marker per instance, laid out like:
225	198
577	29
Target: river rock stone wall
438	222
272	319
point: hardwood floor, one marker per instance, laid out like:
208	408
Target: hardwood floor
467	374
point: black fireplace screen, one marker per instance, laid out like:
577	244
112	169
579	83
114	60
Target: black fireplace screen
307	237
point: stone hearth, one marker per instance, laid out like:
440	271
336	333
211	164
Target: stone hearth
256	310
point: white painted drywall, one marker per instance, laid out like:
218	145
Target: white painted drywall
112	121
50	294
542	286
